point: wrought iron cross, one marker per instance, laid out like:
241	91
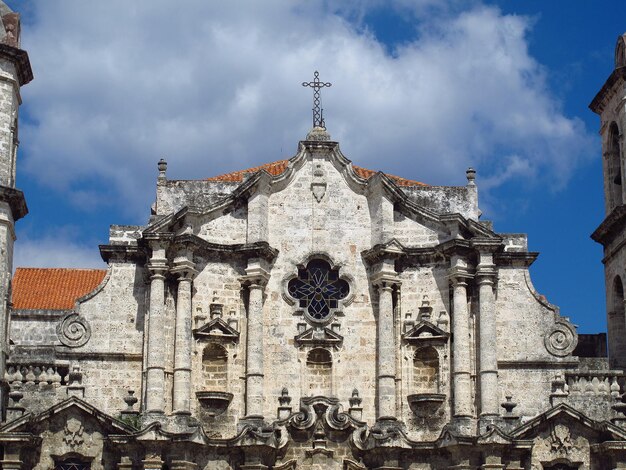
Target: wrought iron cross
318	111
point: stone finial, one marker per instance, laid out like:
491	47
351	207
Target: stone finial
216	310
130	400
508	405
425	309
284	400
75	387
355	409
355	399
471	176
162	166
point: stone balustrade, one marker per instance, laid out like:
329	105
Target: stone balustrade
37	374
595	383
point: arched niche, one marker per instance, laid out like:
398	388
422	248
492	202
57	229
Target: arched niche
319	366
426	371
215	367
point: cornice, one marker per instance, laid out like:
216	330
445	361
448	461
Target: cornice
612	225
123	253
22	63
15	199
598	102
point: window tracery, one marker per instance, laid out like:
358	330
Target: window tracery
72	464
318	289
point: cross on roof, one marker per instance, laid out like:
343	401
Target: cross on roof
318	111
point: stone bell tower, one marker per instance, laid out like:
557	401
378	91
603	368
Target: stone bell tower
15	71
610	104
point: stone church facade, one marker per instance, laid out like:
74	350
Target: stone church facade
307	314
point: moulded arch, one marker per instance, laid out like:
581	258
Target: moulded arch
614	161
620	52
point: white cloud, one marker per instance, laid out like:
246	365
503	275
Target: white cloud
56	251
215	86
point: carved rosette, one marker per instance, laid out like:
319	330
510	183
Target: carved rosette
562	340
73	330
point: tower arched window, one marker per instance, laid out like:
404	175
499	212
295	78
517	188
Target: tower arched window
614	165
618	296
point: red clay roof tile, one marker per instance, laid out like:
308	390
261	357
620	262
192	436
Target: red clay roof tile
278	167
52	288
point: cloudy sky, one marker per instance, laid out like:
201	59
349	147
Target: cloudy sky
421	88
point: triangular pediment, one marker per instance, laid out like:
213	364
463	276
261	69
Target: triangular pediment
563	413
71	406
319	337
425	331
216	329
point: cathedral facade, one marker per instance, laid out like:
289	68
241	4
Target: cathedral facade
307	314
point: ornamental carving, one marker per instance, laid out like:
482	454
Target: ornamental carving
73	330
562	340
560	439
73	433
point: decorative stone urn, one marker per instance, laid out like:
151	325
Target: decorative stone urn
214	403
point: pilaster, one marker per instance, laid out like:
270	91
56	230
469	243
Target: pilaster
184	268
155	361
486	275
384	281
255	282
461	359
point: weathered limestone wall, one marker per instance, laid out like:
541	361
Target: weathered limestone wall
9	103
413	233
173	195
300	227
522	319
226	229
446	199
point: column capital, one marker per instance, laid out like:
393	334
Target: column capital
158	268
253	282
459	275
385	280
486	245
486	276
184	269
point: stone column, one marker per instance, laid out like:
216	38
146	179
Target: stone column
386	357
254	367
184	268
461	347
488	354
155	361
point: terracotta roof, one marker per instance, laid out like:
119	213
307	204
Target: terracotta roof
276	168
52	288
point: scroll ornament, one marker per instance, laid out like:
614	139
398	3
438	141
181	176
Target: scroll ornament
562	340
73	330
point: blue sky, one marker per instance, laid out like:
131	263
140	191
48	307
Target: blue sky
421	88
